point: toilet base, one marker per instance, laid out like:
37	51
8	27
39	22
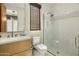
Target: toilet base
37	53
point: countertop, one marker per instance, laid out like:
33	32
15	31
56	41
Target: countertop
13	39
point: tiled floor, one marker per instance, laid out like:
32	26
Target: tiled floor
47	54
36	53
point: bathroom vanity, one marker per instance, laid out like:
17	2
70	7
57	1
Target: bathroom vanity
16	47
12	20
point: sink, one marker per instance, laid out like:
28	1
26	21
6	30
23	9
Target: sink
13	39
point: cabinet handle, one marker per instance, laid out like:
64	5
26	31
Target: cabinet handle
76	42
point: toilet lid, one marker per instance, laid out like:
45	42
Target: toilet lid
41	47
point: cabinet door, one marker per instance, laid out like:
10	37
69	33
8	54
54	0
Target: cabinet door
15	47
24	53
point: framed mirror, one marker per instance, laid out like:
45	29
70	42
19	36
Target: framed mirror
12	17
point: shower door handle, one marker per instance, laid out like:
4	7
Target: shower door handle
76	42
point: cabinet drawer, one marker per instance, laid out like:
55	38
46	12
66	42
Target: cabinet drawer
16	47
24	53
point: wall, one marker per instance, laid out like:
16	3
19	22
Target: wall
45	8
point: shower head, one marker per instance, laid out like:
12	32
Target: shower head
49	14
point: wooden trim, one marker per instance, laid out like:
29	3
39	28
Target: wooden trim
2	18
36	5
24	53
39	6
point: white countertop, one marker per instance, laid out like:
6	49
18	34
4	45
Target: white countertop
13	39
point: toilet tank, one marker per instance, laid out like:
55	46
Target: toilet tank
36	40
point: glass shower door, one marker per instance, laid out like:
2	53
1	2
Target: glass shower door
50	34
61	36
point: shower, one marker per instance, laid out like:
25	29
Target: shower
59	34
47	29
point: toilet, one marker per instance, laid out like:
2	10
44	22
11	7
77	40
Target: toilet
39	48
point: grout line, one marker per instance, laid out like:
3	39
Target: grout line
51	53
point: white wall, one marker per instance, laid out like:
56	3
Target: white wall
61	8
45	8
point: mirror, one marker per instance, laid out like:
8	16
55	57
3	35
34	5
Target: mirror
14	17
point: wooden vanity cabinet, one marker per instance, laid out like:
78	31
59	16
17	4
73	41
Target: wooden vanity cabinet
19	48
25	53
2	18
